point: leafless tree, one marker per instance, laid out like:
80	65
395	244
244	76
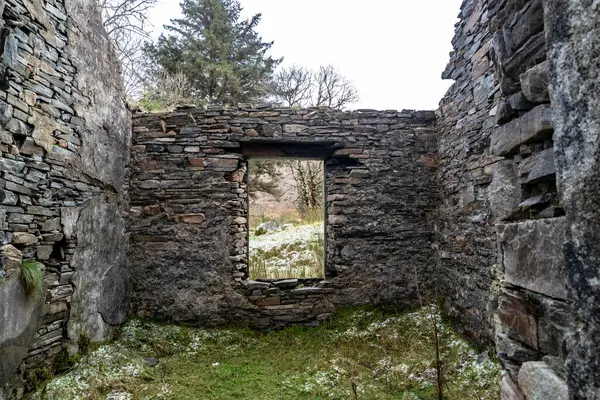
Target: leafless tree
308	177
127	25
333	89
297	86
293	85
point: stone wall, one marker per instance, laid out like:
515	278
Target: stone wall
64	146
502	224
188	253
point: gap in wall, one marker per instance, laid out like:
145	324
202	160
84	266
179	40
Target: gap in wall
286	218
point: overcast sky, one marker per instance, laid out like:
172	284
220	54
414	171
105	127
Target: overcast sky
393	50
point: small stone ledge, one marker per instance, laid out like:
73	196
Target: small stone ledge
535	125
532	255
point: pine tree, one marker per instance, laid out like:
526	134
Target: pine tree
223	57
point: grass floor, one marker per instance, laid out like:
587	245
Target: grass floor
359	354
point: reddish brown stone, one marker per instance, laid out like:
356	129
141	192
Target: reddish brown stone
517	319
197	162
149	166
195	219
428	161
270	301
236	176
152	210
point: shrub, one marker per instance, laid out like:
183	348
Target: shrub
32	276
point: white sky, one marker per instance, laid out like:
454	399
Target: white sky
393	50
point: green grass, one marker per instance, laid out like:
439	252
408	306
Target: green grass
360	354
32	276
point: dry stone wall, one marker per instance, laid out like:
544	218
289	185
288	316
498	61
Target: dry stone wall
502	220
188	253
468	206
64	146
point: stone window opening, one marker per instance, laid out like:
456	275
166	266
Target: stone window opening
286	217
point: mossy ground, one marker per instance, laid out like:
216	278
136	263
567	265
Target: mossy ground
359	354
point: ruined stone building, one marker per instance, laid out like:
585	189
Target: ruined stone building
491	201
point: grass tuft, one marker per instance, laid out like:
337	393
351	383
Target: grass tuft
32	276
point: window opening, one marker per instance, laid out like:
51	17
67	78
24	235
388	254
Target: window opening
286	219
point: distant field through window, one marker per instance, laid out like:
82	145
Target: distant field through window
287	232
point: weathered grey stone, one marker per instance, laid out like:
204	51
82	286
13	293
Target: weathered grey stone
519	102
24	238
114	300
539	382
99	262
510	390
504	191
534	83
532	254
44	252
106	137
8	198
68	219
19	317
573	31
10	259
535	125
538	168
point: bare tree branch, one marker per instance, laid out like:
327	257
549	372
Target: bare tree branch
127	25
293	86
333	89
299	87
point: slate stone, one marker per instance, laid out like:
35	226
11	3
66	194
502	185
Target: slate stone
151	361
552	212
256	285
534	83
99	259
504	191
539	382
519	318
535	125
553	327
530	54
519	102
538	168
532	255
537	201
286	284
510	390
512	354
20	317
